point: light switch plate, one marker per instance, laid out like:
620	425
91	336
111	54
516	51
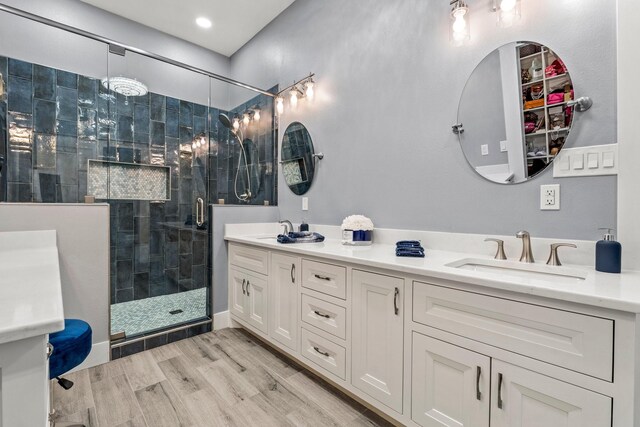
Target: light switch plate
484	149
593	160
503	146
305	203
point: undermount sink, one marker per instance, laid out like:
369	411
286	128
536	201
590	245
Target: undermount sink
520	270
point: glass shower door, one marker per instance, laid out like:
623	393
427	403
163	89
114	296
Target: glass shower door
157	174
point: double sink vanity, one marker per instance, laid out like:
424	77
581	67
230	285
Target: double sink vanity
454	339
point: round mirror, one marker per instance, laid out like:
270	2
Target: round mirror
298	158
513	117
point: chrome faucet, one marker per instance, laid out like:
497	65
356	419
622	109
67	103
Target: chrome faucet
288	227
527	253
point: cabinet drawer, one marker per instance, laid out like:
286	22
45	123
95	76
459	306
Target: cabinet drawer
324	353
574	341
252	259
324	315
326	278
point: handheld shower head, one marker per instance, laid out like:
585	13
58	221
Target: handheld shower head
224	119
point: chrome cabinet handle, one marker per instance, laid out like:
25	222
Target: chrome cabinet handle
478	392
317	276
321	352
49	350
500	403
395	301
326	316
243	283
293	273
248	283
199	212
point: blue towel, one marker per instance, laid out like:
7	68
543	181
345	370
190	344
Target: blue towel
410	252
296	237
408	243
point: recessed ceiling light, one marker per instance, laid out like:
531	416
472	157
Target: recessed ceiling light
203	22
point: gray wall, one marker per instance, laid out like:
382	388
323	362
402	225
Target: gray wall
389	82
83	246
221	215
482	113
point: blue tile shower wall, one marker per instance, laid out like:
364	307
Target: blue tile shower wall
259	139
58	120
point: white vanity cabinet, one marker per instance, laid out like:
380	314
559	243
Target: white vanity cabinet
434	352
284	301
249	297
523	398
450	385
378	336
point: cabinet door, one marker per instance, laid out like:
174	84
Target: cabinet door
257	296
377	337
237	288
450	385
523	398
283	300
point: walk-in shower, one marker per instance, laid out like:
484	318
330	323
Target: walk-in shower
159	159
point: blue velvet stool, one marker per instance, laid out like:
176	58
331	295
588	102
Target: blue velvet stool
70	347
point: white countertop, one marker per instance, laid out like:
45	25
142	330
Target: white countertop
30	289
613	291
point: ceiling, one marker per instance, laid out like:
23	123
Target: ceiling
235	22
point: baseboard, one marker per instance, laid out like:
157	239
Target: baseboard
221	320
99	355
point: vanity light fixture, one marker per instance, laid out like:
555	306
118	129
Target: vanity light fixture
302	89
508	12
246	119
279	104
293	97
308	86
460	32
256	114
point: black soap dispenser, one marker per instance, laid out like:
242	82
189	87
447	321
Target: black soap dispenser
608	253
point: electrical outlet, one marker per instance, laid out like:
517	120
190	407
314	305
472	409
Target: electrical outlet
305	203
503	146
550	197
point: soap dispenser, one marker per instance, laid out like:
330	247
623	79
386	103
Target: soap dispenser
608	253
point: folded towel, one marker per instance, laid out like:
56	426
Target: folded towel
301	237
298	234
283	238
408	243
410	252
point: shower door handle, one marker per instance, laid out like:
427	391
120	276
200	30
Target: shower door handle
199	212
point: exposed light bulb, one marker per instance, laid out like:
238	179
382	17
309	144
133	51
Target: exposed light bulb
280	105
460	25
198	144
256	115
194	145
508	12
245	119
236	124
507	5
309	90
293	94
203	140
